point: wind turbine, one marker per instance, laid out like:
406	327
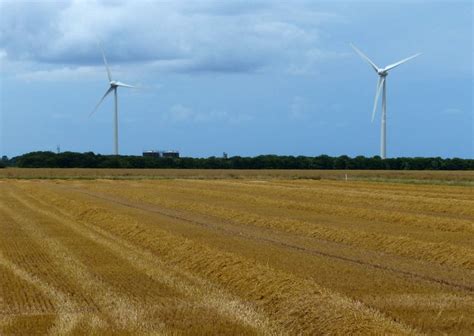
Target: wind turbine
113	86
382	85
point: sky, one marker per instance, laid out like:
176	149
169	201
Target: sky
242	77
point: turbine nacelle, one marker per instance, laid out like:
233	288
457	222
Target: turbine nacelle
115	84
382	73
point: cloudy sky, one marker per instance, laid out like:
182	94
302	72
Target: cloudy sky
242	77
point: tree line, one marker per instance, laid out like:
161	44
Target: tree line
91	160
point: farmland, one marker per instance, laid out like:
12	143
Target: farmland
236	252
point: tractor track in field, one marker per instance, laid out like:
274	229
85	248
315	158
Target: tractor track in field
173	215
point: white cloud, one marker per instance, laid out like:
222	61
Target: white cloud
310	60
179	113
211	36
182	114
299	109
61	74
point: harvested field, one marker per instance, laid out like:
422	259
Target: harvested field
219	252
404	176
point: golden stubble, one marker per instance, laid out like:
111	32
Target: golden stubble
194	273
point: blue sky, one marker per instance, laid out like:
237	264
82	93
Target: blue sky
242	77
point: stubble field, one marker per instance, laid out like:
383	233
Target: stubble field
216	252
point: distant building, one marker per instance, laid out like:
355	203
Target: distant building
174	154
161	154
151	153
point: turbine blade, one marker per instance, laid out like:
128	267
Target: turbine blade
391	66
105	62
124	85
101	100
361	54
377	94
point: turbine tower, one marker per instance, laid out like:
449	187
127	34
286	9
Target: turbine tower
382	85
113	86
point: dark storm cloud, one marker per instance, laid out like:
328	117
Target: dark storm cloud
237	36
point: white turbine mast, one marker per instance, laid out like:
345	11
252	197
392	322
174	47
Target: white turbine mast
382	85
113	86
